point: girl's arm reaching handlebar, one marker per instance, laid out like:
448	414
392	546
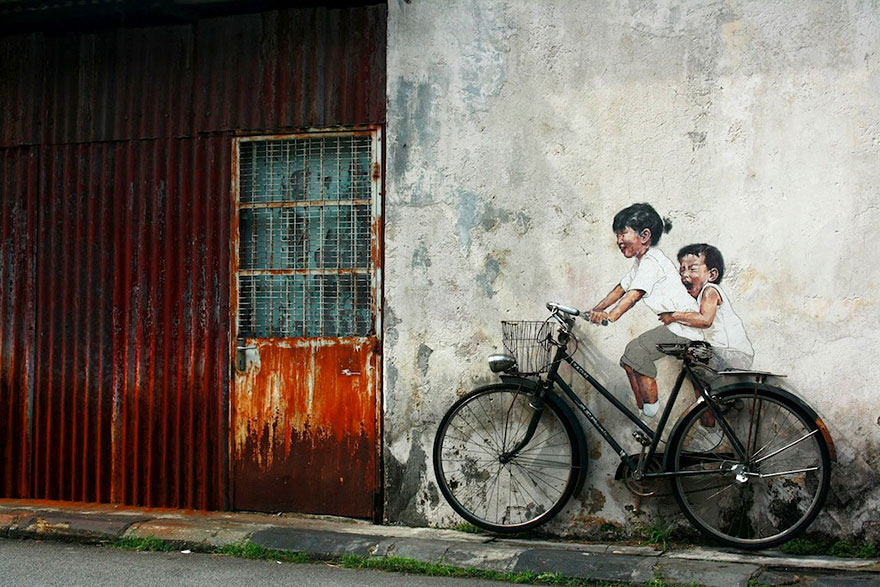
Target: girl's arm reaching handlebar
625	300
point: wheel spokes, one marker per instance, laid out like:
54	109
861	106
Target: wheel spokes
763	497
494	486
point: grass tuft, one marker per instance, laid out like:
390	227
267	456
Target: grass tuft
466	527
802	547
145	544
847	550
659	534
840	549
255	551
414	567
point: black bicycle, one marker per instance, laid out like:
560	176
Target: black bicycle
749	462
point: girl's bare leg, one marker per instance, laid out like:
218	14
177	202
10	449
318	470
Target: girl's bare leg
634	384
648	388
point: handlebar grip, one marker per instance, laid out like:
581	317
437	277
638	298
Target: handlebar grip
566	309
604	322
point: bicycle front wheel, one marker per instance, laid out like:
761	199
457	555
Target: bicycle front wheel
764	497
483	482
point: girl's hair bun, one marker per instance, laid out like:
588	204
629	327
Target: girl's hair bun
667	224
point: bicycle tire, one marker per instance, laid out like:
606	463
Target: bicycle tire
513	496
761	501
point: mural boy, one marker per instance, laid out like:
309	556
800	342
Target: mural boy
654	280
701	269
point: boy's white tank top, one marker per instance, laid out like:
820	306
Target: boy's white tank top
727	330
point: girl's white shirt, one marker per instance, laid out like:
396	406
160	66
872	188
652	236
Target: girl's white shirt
658	277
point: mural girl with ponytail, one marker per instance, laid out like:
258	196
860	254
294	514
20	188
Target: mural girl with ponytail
653	279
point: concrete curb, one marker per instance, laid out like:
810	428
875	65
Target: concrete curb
324	537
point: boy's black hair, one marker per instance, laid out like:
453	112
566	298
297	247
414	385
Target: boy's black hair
711	256
639	217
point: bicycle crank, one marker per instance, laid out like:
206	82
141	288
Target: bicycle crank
641	486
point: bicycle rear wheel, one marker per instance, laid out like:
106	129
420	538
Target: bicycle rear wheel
766	498
496	491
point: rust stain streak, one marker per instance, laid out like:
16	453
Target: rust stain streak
306	392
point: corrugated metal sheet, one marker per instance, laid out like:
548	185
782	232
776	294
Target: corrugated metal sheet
21	82
278	70
123	84
115	239
291	69
132	337
18	186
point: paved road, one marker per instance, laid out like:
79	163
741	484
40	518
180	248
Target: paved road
27	563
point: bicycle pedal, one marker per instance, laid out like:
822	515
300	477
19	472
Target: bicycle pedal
641	437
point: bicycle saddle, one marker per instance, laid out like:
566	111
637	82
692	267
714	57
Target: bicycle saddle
696	350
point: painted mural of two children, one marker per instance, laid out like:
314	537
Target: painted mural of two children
688	300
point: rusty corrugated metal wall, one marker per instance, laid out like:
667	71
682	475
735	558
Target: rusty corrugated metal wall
115	175
18	189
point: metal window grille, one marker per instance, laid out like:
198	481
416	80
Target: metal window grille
305	237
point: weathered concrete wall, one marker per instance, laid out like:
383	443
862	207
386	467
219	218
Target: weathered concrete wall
516	130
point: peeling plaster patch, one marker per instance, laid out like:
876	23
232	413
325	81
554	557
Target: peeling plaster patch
493	216
402	481
597	501
487	277
421	258
400	157
433	495
523	223
390	333
415	131
423	357
852	482
595	450
468	218
698	139
473	212
484	66
390	384
421	196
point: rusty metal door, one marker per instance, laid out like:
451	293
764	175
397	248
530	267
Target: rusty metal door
306	308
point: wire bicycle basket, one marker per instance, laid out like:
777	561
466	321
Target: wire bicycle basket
530	343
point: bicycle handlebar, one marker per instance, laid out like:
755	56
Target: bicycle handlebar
554	306
557	307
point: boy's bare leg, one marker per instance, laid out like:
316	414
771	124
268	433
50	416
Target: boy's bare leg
708	418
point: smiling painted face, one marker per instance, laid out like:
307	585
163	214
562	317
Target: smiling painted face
694	273
632	243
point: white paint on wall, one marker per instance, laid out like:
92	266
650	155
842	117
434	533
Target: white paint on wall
517	129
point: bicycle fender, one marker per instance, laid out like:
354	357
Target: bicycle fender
566	410
772	390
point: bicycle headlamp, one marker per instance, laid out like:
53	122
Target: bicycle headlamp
501	362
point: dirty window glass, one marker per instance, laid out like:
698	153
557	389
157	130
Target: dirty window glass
305	237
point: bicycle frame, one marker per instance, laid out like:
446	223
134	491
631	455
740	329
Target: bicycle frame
655	436
722	453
